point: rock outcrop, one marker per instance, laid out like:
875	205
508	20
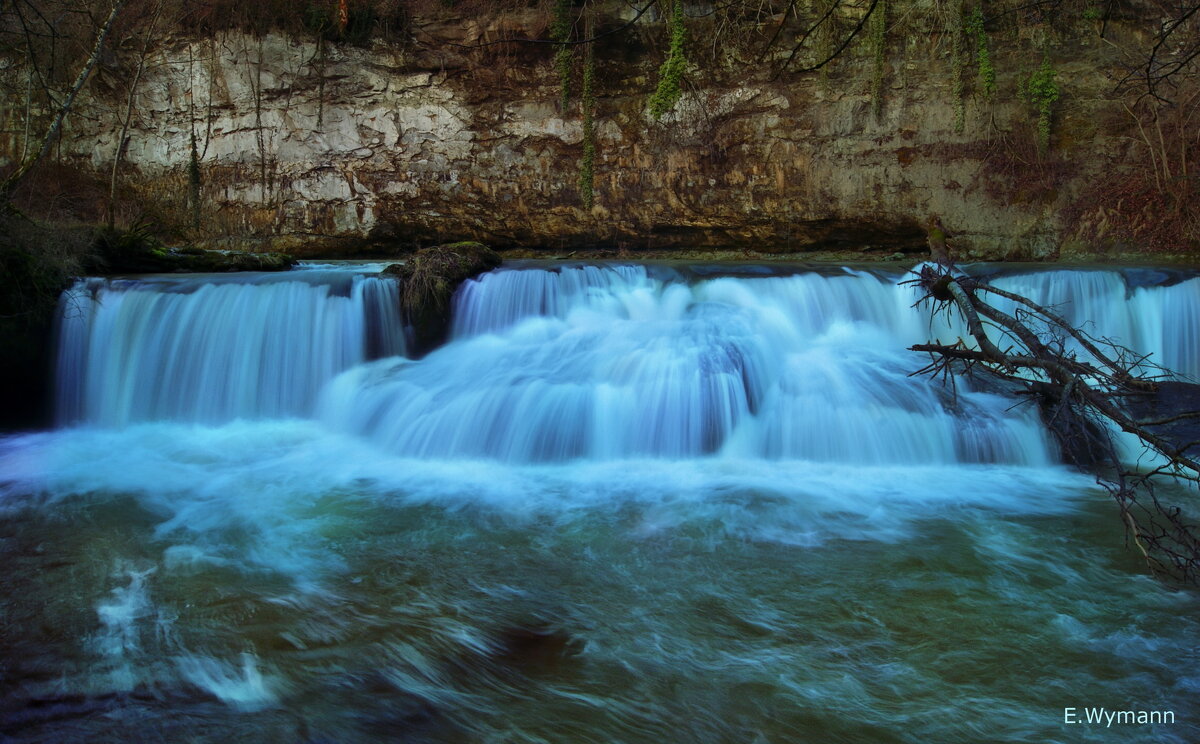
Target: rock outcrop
428	280
348	147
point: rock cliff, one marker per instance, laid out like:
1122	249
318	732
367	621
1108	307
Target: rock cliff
325	147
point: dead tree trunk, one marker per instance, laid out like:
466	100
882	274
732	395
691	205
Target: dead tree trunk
1085	387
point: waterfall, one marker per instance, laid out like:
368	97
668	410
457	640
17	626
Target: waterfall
708	500
1157	319
603	363
588	362
215	349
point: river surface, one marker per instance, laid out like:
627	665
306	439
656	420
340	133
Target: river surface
624	503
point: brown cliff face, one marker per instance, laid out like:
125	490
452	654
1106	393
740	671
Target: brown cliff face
414	144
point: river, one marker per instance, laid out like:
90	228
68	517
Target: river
624	503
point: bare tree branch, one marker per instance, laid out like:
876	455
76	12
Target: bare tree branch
1078	395
9	183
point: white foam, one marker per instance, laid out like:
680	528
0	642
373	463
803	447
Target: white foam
248	494
243	686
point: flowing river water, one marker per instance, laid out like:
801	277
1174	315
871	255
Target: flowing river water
623	503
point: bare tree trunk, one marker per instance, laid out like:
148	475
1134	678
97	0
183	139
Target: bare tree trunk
9	183
125	121
259	136
28	115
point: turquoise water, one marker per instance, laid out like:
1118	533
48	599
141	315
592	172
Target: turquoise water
826	550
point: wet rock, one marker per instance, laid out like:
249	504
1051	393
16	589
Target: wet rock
185	260
428	281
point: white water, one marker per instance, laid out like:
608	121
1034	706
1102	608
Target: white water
616	362
727	489
1160	321
214	350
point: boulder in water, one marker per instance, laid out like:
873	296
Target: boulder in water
429	278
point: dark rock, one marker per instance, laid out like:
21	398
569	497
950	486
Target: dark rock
36	264
428	281
25	376
1082	439
1175	403
136	251
200	261
48	710
229	261
536	647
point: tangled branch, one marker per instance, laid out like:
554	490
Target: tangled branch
1086	388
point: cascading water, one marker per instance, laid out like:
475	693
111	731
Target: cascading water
622	503
609	363
212	351
1150	312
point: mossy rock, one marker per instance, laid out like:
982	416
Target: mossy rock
135	251
428	280
182	260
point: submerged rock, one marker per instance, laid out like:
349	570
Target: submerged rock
536	647
428	280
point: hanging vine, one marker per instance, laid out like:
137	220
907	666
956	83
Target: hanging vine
958	69
879	21
1041	91
560	31
983	57
587	168
670	75
194	181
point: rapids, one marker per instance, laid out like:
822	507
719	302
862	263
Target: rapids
634	503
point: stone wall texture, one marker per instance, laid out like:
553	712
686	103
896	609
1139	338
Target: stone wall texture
425	141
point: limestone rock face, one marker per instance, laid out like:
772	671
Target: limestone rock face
410	145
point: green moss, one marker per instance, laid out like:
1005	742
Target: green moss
137	250
670	75
983	58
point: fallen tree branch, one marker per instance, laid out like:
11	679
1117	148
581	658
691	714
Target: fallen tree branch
1082	402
